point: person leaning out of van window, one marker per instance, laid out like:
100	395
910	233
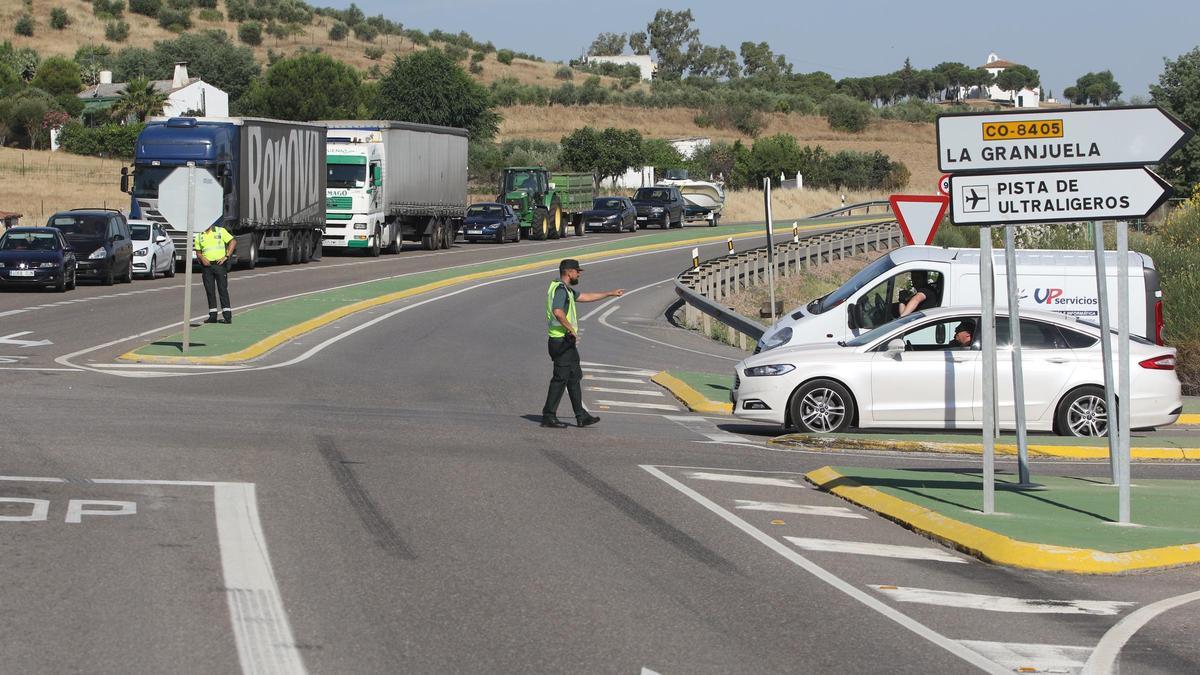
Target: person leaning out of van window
214	250
924	294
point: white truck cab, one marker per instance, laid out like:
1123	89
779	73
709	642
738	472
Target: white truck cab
1059	281
354	195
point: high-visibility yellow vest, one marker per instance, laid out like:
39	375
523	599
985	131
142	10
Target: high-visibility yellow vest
210	244
555	329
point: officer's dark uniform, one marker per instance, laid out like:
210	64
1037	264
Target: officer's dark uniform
211	246
567	372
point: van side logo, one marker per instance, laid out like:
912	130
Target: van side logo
1046	296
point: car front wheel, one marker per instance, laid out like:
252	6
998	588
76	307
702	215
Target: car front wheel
822	407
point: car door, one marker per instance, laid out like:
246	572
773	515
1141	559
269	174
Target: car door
931	383
122	246
1047	363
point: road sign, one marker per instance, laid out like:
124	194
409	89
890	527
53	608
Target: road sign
919	216
173	199
1054	139
1056	196
944	184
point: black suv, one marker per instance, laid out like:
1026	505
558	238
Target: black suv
662	204
101	241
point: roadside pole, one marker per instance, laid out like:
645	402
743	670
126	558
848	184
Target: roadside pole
1018	369
1123	458
187	269
770	245
1110	394
987	290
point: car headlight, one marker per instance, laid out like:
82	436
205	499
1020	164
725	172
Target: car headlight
780	338
47	265
98	254
1	265
141	251
767	371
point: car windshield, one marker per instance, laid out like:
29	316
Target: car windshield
876	333
865	276
146	180
28	241
345	176
607	204
80	227
490	210
653	195
141	231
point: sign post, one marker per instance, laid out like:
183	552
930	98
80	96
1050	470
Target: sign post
1018	370
987	283
1123	374
187	264
770	245
187	198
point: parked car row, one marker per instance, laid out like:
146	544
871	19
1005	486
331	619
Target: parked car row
84	244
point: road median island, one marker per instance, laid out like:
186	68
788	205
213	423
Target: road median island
258	330
1144	448
1066	526
700	392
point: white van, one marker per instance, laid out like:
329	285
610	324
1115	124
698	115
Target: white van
1059	281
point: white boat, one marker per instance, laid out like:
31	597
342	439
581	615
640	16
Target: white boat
703	195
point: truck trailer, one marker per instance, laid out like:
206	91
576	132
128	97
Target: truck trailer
272	171
390	182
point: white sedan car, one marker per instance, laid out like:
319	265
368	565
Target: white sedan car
925	371
153	250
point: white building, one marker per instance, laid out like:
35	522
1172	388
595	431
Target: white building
644	63
688	146
184	94
1026	98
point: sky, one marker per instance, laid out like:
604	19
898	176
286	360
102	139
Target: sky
1062	40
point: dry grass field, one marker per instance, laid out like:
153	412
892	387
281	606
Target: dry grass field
747	205
38	183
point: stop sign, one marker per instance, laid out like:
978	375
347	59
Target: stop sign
207	205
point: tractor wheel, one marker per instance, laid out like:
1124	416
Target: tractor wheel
540	230
556	220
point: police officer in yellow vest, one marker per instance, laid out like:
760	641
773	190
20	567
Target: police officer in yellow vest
214	250
564	336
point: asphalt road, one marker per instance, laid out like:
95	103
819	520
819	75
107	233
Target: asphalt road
388	503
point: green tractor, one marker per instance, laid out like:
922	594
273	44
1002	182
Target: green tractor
545	204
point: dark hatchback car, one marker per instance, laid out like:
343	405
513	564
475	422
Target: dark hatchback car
610	214
491	221
102	242
36	256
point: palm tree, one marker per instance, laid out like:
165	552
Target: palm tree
139	101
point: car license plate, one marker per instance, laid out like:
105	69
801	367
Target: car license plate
642	218
474	231
20	273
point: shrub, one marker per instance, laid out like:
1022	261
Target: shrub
417	37
24	26
109	140
108	8
204	4
478	56
475	68
148	8
209	14
1177	258
912	110
338	31
847	114
455	52
116	31
59	19
505	56
175	20
366	32
250	32
373	52
564	73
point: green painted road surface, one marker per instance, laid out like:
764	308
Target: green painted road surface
1191	404
1160	439
714	387
253	325
1074	512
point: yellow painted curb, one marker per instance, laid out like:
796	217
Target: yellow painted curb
1035	450
997	548
1188	418
694	400
274	340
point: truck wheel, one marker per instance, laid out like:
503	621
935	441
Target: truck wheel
578	219
540	229
429	240
317	244
252	259
305	247
394	247
373	249
448	234
289	251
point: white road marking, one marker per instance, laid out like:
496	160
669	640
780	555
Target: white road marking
11	312
1104	658
11	339
634	404
996	603
604	321
1020	657
601	378
790	554
633	392
606	303
745	480
624	371
706	428
873	549
801	509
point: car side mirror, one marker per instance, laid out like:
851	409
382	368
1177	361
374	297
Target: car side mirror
160	239
852	319
125	179
895	348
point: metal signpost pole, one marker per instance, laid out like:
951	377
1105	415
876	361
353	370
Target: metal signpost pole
1018	370
770	246
1110	394
187	269
987	292
1123	458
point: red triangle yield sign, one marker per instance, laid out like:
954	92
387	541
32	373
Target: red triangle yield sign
919	215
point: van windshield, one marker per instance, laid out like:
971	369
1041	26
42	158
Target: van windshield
865	276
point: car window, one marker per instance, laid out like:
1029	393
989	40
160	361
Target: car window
29	241
1034	334
73	226
1077	340
142	231
941	336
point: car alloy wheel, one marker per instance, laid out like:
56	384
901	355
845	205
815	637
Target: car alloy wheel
1087	415
822	406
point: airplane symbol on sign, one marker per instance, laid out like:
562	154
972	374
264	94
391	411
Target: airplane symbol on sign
974	194
974	198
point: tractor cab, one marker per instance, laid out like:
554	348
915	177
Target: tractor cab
521	187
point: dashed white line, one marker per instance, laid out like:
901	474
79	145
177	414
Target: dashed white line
626	371
631	392
601	378
877	550
745	480
800	509
997	603
636	404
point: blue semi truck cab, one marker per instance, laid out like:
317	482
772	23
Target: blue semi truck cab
272	171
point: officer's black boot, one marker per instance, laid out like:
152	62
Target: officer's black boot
228	316
212	317
552	422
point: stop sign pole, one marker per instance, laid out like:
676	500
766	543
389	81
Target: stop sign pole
187	269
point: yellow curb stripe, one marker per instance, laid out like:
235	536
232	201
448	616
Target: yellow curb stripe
694	400
1188	418
1059	451
274	340
997	548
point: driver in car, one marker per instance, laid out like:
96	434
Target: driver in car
964	335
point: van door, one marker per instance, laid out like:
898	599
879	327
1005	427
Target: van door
931	384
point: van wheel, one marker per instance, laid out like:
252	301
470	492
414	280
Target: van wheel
1083	412
822	407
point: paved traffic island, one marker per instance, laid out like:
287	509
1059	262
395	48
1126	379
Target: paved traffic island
700	392
258	330
1069	525
1144	446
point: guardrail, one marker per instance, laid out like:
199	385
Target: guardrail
704	289
883	205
